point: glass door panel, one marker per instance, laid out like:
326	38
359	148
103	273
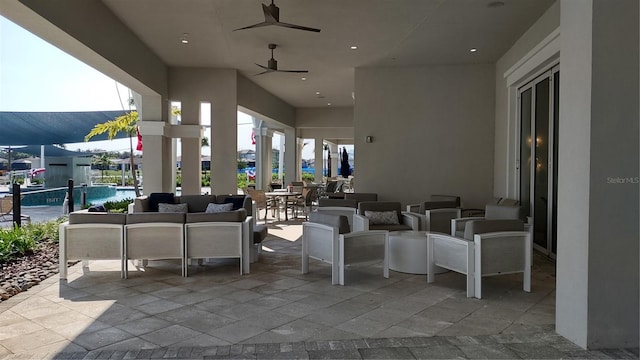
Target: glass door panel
525	150
554	178
541	170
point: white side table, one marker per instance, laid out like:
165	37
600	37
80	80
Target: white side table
408	252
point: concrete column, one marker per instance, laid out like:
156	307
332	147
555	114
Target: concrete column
335	159
598	174
191	163
299	147
224	146
156	162
281	166
264	165
290	168
319	161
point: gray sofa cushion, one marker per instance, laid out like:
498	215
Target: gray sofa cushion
97	218
197	203
486	226
339	221
446	198
152	217
338	202
226	216
167	208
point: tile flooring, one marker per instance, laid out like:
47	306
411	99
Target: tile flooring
278	313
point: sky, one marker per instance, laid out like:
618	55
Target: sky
27	83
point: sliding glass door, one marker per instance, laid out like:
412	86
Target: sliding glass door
538	171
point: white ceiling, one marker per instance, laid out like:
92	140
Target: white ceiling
387	33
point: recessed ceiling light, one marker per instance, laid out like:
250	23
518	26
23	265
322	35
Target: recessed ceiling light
303	78
184	38
473	49
328	104
317	92
354	47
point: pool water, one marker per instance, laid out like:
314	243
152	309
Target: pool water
121	194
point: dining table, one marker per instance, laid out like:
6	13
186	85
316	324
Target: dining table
283	195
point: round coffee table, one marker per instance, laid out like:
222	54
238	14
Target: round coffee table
408	252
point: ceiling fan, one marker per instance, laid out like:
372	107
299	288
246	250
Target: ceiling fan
272	17
272	65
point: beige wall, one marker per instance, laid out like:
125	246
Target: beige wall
258	100
432	130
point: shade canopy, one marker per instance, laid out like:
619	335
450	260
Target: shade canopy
49	151
46	128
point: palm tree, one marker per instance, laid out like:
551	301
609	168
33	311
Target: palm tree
125	123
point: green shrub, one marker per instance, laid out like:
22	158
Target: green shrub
15	242
308	177
19	241
119	206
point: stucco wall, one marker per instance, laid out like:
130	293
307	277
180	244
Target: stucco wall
257	99
432	130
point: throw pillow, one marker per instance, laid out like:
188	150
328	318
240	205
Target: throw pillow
216	208
382	217
173	208
237	201
157	198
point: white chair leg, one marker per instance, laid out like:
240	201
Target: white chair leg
385	262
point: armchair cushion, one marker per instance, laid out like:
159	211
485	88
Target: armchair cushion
217	208
173	208
502	212
487	226
380	206
157	198
340	222
361	196
382	217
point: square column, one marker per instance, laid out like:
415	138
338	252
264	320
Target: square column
191	149
598	174
291	170
319	160
264	163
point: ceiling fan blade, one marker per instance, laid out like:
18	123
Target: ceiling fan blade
264	72
293	71
298	27
264	23
264	67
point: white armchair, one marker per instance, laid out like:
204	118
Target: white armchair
489	247
219	235
91	236
326	238
151	235
492	212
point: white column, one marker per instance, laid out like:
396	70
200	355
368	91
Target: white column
263	157
281	165
156	166
291	170
224	146
319	160
191	159
598	174
335	156
299	148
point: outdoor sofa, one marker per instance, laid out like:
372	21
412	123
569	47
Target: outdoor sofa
163	235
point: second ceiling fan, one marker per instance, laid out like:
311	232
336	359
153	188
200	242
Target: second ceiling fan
272	65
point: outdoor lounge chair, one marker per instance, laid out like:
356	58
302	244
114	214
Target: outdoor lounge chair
6	210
